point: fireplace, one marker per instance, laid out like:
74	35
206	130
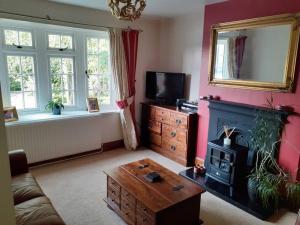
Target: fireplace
228	167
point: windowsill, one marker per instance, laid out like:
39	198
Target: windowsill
44	117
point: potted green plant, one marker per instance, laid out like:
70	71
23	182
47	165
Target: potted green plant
268	182
55	106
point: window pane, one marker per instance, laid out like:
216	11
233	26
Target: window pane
105	89
15	82
16	99
68	98
104	62
94	82
93	64
27	65
56	83
54	41
67	65
13	65
55	66
11	37
92	45
29	100
28	83
68	83
25	38
66	41
94	93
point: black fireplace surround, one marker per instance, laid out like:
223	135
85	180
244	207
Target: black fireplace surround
241	117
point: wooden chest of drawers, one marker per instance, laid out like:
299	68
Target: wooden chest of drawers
140	202
170	132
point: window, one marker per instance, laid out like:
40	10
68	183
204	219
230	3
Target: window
58	41
21	74
62	79
18	38
99	79
43	63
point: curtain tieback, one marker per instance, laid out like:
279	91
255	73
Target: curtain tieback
122	104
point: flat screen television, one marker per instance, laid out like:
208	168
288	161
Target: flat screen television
165	87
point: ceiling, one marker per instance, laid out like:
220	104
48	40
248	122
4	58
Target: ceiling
160	8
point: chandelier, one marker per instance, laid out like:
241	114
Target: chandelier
127	9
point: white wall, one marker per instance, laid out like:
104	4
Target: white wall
181	48
7	212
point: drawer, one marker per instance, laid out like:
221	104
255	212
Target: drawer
113	184
179	120
176	148
127	204
114	196
142	210
171	133
155	126
142	219
162	113
155	139
127	196
128	215
152	112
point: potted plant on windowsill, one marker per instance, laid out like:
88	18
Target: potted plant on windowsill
268	183
55	106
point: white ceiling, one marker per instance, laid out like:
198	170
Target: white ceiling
161	8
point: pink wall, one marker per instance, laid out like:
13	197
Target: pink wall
237	10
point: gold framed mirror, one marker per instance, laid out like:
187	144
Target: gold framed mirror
258	53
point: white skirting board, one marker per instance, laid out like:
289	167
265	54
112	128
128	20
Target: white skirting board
46	140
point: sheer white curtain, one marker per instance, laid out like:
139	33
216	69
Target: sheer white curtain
119	72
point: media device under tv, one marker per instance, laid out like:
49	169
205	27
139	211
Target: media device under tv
164	87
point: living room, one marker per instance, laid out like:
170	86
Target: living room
74	156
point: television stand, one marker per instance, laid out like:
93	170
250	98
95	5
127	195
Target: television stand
170	132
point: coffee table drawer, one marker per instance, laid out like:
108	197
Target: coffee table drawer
114	196
126	197
128	215
143	210
141	219
111	183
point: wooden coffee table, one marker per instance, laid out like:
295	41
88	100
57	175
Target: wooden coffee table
173	200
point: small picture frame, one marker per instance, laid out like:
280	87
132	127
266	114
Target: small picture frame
10	114
93	105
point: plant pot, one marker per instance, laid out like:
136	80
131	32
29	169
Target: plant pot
252	190
56	111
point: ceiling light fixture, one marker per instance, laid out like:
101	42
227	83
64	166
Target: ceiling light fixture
127	9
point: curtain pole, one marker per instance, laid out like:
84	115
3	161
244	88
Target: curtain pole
48	19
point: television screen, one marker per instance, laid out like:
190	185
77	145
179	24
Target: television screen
165	86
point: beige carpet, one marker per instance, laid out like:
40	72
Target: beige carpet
77	188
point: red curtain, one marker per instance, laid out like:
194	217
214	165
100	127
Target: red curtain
130	42
240	43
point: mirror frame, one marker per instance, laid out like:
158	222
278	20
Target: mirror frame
290	64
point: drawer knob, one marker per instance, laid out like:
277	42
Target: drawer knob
218	173
173	148
144	209
178	121
113	192
173	134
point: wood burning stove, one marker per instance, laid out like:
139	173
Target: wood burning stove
226	163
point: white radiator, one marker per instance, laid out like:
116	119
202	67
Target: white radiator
56	138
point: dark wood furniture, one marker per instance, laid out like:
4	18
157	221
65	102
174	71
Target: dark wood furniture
226	163
170	132
173	200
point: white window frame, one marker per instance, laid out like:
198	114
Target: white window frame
112	104
20	54
18	29
42	53
61	33
75	105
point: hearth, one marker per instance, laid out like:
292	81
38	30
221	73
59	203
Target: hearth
228	167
